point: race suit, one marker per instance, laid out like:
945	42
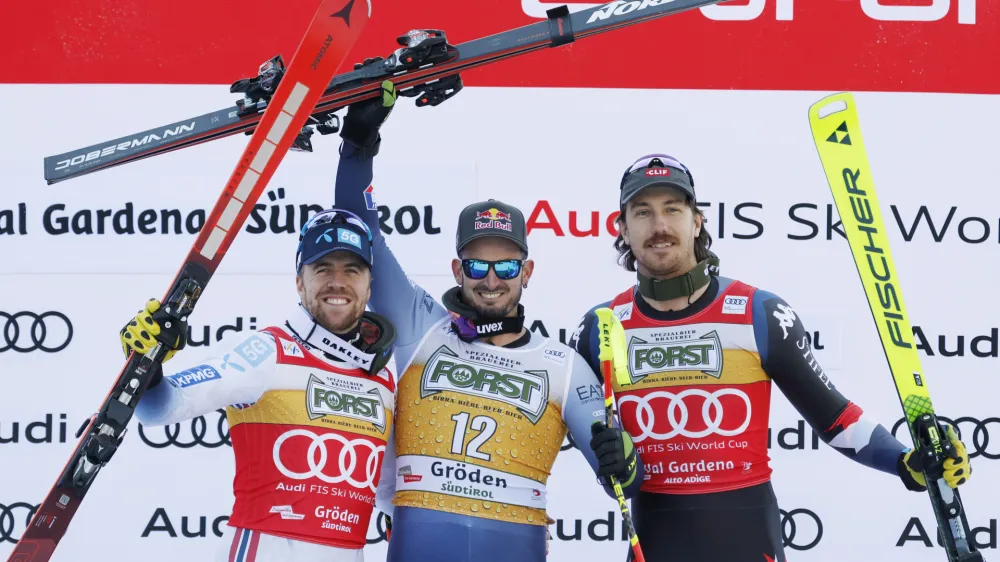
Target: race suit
697	408
309	436
478	427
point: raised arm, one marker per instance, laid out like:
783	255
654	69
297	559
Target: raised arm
411	309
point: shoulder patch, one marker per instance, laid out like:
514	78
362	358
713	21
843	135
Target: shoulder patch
623	311
734	304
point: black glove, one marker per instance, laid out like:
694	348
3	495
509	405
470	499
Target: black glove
364	118
615	452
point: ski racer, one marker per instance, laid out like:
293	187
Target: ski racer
310	404
483	405
703	351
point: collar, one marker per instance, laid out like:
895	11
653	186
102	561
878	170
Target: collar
681	286
469	325
302	325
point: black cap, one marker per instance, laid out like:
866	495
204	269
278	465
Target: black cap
656	170
491	218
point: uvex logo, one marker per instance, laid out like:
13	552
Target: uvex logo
490	328
527	391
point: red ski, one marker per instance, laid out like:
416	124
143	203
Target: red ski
327	42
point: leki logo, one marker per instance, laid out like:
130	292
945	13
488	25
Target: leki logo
686	354
324	400
528	391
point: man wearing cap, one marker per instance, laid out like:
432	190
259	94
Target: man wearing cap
483	404
703	351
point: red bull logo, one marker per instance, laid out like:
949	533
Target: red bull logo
493	218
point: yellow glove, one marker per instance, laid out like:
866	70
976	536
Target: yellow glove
957	468
141	333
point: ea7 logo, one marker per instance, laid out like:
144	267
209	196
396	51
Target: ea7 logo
691	354
324	400
528	391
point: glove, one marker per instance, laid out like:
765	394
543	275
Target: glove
957	468
615	452
363	119
144	331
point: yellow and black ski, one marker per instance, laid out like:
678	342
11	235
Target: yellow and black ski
837	134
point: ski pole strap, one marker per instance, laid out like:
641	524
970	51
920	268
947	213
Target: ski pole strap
560	26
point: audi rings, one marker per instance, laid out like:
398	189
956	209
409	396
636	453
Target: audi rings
347	460
10	518
796	526
49	332
381	528
676	411
197	434
965	427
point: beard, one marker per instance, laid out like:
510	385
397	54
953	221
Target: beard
340	319
664	265
497	308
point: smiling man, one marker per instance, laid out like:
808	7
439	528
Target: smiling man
483	404
703	351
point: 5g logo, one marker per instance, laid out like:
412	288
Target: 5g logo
875	9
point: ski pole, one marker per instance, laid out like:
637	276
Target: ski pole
612	356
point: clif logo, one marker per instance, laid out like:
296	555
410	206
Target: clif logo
658	172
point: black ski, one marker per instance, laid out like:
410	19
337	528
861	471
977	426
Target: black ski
425	67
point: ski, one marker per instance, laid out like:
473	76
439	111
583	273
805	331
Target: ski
836	132
425	67
328	40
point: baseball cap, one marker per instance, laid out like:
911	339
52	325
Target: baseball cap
491	218
330	231
656	170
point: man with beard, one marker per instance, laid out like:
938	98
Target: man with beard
703	352
483	405
309	403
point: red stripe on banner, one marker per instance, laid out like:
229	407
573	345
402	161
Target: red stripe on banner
889	45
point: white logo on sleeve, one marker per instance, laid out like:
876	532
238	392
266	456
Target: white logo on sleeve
734	305
786	318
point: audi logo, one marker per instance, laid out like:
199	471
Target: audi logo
381	530
798	526
980	434
11	518
674	408
198	431
316	456
26	331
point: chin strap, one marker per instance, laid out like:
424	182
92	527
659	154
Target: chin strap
469	324
683	286
369	352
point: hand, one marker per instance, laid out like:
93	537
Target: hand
144	332
364	118
957	468
615	452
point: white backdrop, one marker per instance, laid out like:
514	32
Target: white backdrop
562	150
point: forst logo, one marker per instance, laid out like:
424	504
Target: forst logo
527	391
325	400
688	354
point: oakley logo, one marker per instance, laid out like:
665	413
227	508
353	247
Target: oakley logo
675	418
325	400
316	456
26	331
527	391
197	431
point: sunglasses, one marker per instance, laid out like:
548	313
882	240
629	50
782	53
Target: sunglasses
657	160
479	269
